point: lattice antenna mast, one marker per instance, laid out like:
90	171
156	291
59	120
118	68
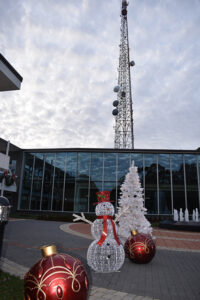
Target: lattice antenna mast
124	136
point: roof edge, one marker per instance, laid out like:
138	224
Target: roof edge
10	67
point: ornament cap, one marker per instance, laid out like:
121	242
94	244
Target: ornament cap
48	250
134	232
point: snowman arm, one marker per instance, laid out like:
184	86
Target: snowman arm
81	218
121	212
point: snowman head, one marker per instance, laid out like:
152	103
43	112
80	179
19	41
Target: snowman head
104	207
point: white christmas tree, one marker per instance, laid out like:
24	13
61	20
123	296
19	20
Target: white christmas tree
131	211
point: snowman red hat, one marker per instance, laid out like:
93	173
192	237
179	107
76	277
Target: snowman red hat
103	196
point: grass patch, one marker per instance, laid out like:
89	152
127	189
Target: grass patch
11	287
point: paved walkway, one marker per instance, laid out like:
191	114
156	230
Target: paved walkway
96	293
165	239
171	275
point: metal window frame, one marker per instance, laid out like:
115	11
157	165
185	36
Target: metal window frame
65	169
198	175
171	183
158	186
103	174
54	161
21	182
41	193
32	183
89	173
185	182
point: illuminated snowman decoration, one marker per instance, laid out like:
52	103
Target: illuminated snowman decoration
105	254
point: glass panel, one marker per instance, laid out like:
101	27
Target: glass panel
96	173
123	166
26	183
109	167
191	182
178	181
111	186
94	188
81	196
83	166
48	181
59	181
96	170
71	164
36	195
164	184
138	161
37	181
82	183
151	183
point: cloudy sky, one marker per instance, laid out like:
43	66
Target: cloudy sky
67	53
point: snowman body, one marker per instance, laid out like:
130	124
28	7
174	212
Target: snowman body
105	254
103	209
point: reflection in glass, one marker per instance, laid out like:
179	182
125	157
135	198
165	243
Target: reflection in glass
96	173
95	187
48	181
111	186
26	183
164	184
123	166
138	162
83	166
178	181
191	182
59	181
109	167
81	196
151	183
71	164
82	183
96	169
37	181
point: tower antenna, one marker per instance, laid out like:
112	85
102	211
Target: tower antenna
123	112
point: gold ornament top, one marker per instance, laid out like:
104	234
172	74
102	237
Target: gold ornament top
134	232
48	250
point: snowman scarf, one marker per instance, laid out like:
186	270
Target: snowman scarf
105	232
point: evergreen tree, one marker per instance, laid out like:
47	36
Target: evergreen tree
131	211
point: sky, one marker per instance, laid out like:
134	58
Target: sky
67	52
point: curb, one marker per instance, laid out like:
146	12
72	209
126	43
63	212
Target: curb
96	293
66	228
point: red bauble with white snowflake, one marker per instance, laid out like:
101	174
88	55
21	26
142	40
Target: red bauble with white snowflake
140	248
56	276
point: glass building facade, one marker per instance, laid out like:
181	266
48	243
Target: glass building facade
68	180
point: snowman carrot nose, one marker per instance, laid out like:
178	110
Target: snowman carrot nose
108	208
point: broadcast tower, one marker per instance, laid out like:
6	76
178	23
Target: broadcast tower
123	112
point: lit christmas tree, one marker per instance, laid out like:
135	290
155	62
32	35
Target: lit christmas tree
131	211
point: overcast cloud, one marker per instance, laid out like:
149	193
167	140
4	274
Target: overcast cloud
67	53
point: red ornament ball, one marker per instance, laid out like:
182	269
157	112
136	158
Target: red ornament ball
56	276
140	248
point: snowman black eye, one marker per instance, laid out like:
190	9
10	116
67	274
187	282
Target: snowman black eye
108	244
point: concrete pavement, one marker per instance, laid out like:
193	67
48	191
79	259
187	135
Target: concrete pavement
170	275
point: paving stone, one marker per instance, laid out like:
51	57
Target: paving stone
128	297
119	294
178	269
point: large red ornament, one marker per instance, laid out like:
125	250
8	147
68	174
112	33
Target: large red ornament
56	276
140	248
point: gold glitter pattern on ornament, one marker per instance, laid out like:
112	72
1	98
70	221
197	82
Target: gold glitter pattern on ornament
72	272
136	245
